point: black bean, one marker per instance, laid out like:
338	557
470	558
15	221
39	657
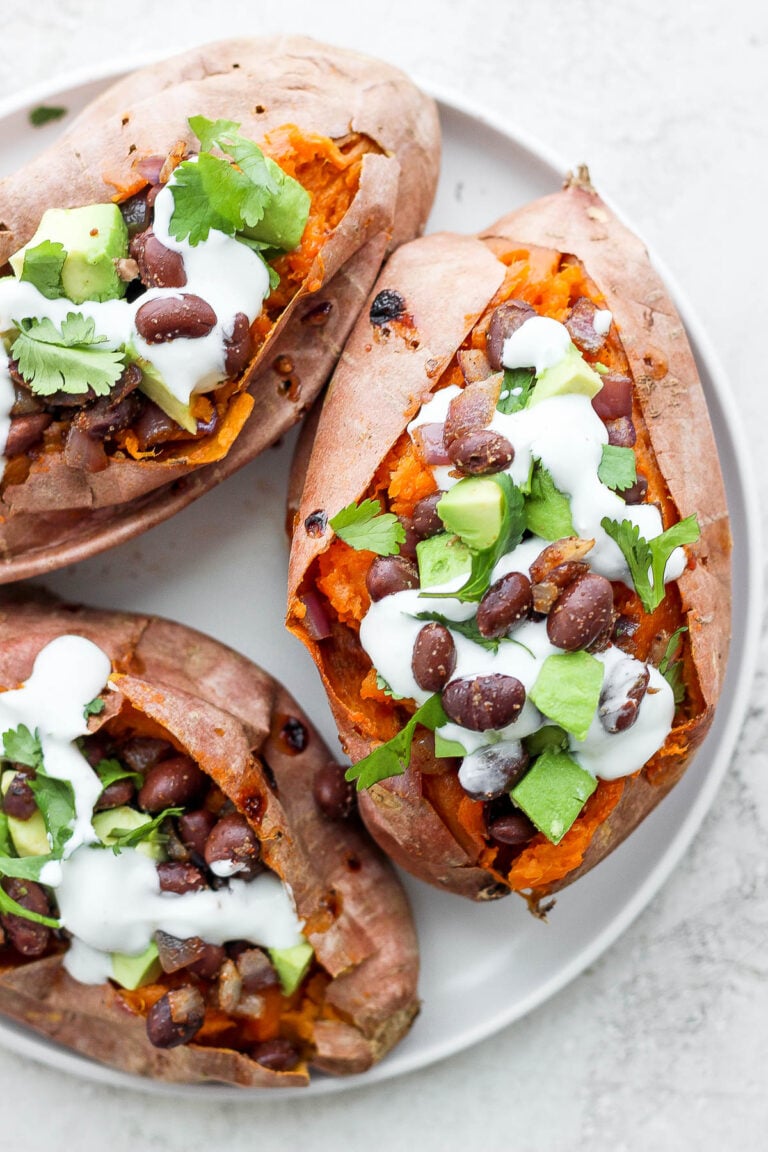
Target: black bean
426	521
177	877
506	319
232	840
209	963
623	690
484	702
637	492
333	795
278	1054
238	346
26	936
506	604
621	432
194	829
19	800
167	318
159	267
176	1017
494	770
390	574
481	453
514	829
581	612
171	784
115	795
256	970
142	752
434	657
580	323
24	431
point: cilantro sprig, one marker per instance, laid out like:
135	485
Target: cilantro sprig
120	838
392	758
365	527
66	360
110	771
248	195
516	389
470	630
617	468
647	559
672	668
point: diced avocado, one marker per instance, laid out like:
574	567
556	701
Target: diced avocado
441	558
445	747
572	374
94	237
153	386
567	690
136	971
291	965
125	819
474	510
285	216
547	509
30	837
553	792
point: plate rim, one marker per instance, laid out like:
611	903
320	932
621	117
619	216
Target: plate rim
29	1044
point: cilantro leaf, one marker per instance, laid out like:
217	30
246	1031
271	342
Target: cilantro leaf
22	747
365	528
392	758
547	509
68	360
510	535
129	837
45	113
385	687
42	268
204	197
225	135
470	630
6	844
671	669
515	390
109	771
94	707
617	468
647	559
56	800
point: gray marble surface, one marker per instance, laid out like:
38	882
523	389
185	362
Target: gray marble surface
660	1045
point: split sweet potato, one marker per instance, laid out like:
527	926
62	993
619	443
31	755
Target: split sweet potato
439	294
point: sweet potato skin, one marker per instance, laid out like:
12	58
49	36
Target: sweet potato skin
574	222
57	515
360	922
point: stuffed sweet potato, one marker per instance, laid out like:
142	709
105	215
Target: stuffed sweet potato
214	921
523	633
185	264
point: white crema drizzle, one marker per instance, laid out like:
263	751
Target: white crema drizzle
113	903
567	436
227	274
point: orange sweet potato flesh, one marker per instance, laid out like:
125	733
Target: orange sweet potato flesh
227	714
549	253
361	137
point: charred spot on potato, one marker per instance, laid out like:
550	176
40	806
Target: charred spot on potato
318	315
294	736
316	523
388	305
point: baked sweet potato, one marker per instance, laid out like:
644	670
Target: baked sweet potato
90	466
224	747
445	314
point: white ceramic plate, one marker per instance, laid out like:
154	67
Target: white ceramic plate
220	566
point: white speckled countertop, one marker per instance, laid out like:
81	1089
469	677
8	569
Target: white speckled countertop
660	1045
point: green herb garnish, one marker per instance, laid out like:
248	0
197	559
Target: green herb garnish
470	630
45	114
547	509
647	559
515	390
109	771
365	527
617	467
672	669
129	837
392	758
95	707
69	360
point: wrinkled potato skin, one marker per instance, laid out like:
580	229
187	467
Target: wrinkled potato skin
447	283
227	714
59	515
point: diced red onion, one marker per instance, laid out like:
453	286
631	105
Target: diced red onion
430	444
81	452
318	624
149	167
614	398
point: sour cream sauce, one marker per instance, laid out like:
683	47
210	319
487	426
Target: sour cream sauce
227	274
567	436
113	903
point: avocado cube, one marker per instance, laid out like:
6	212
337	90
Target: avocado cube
154	386
553	792
474	509
29	837
571	375
135	971
291	965
125	819
94	238
285	216
567	690
442	558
